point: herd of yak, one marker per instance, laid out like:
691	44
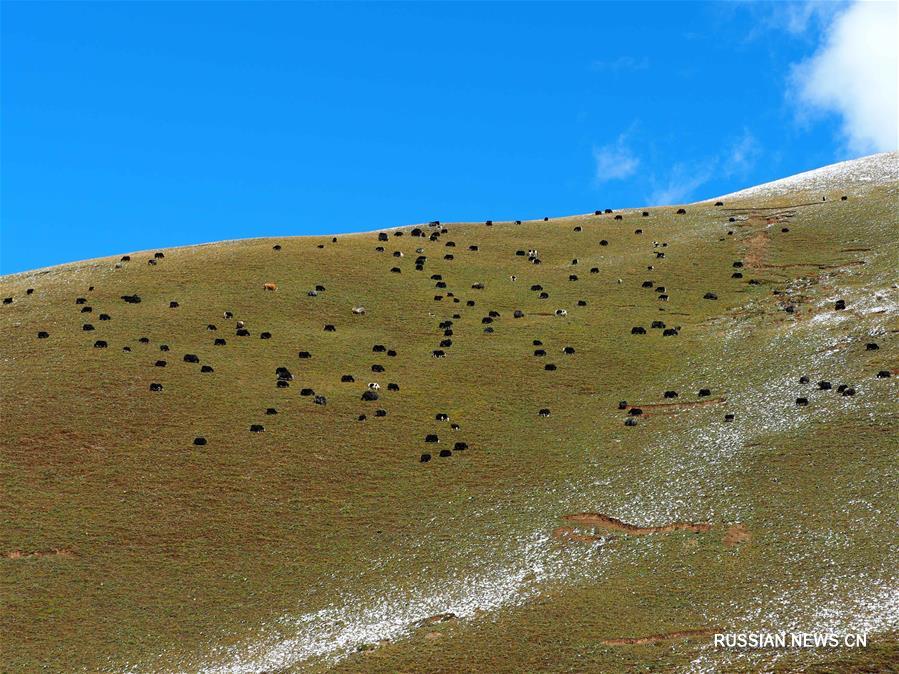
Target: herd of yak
372	392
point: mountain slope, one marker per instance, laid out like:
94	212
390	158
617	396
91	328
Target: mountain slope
325	541
857	175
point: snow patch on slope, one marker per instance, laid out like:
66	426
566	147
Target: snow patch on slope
877	169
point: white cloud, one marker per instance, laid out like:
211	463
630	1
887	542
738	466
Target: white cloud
799	19
853	74
682	182
742	155
796	17
615	161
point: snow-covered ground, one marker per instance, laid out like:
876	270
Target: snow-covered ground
877	169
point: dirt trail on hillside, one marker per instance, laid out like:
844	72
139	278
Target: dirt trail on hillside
55	552
757	245
600	521
570	535
771	208
676	406
656	638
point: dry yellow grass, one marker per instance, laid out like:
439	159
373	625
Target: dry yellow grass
178	553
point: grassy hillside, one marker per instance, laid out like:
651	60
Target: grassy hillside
326	542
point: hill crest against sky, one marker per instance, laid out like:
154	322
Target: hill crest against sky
876	169
134	125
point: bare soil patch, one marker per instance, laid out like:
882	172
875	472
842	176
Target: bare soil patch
757	245
436	619
600	521
736	535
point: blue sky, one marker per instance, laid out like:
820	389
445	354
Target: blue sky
128	126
